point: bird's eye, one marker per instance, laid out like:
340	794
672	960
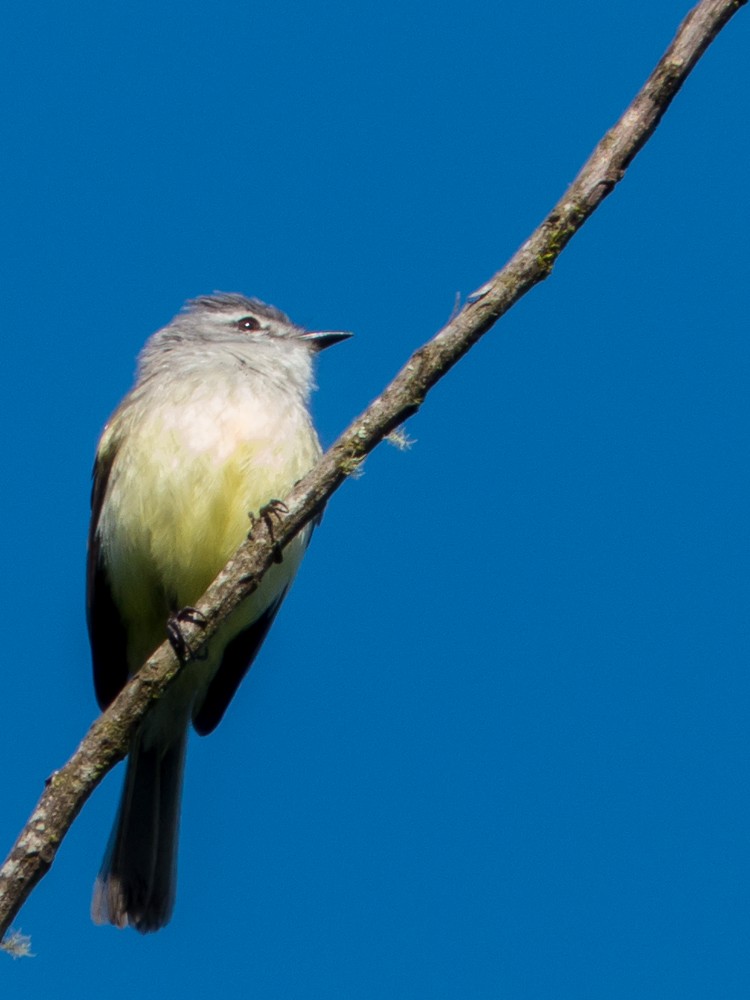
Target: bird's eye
247	323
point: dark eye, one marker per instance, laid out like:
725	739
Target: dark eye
247	323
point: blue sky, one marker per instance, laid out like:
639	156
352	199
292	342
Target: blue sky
496	744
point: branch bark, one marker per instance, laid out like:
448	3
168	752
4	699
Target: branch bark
108	739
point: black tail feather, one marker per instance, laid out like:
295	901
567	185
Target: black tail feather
138	878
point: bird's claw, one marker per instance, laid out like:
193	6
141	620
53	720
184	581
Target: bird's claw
274	508
182	648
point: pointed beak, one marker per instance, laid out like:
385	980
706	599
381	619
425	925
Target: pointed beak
325	338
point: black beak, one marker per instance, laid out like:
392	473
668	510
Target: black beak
326	338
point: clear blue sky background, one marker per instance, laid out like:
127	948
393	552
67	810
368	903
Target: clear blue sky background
496	745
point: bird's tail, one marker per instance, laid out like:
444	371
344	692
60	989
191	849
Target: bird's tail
138	878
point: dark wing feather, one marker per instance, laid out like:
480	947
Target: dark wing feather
235	663
237	659
106	628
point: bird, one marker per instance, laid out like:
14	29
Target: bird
216	427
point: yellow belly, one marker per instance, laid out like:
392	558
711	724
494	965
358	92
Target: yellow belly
181	489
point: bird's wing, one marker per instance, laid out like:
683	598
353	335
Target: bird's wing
106	627
238	657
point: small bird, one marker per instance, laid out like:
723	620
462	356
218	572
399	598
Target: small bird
216	426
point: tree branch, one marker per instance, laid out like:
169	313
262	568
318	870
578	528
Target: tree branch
108	740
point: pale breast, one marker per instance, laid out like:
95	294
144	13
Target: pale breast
188	472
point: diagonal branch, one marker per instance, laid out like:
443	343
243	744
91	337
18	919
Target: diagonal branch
108	739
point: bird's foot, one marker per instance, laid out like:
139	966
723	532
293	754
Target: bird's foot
274	508
182	648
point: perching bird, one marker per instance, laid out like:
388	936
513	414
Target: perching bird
216	426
